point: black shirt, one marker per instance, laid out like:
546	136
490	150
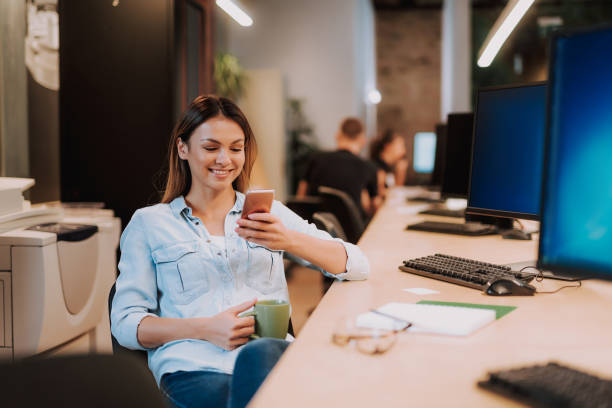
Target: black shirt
344	171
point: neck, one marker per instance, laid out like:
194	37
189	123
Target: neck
352	147
210	203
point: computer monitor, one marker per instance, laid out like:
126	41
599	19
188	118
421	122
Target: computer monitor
507	151
424	152
457	156
576	215
436	177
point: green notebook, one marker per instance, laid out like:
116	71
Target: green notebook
500	311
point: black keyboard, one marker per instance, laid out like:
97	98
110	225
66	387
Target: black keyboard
551	385
468	228
461	271
444	212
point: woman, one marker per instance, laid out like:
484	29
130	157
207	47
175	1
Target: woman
190	266
388	151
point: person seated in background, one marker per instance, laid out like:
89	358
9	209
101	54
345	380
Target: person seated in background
191	265
344	170
388	152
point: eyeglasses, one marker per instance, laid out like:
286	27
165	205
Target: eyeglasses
367	340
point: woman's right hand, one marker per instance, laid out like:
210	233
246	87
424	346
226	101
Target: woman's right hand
229	331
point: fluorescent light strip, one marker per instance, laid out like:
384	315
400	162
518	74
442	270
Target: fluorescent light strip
235	12
509	18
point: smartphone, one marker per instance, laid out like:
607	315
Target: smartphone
257	201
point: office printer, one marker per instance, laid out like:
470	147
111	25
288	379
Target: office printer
57	266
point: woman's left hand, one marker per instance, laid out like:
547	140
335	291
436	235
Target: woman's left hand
265	229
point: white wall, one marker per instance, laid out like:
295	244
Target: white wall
456	58
324	50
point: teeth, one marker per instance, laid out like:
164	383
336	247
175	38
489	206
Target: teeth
220	172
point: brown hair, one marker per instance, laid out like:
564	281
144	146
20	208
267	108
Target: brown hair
203	108
351	128
378	145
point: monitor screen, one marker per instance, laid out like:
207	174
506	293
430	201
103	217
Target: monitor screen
458	155
507	154
576	228
424	152
436	177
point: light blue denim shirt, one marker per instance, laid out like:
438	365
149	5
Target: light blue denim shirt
169	267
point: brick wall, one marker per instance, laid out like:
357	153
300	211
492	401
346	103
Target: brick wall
408	73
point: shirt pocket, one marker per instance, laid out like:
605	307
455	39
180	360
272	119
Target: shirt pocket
181	270
265	270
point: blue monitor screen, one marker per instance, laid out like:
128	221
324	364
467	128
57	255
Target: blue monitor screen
424	152
508	151
576	230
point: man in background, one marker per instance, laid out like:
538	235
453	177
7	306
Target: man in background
344	170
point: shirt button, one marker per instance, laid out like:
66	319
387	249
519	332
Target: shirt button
219	253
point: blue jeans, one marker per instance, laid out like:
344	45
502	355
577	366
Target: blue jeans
191	389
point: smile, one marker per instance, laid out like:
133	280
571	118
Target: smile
220	172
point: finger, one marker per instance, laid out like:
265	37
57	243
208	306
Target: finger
243	306
243	322
244	332
238	342
264	217
255	225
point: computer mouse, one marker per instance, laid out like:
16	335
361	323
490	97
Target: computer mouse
508	287
516	234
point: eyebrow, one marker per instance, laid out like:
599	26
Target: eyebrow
218	142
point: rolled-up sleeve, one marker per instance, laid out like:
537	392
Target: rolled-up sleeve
136	286
357	265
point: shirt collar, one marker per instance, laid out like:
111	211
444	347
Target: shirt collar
178	205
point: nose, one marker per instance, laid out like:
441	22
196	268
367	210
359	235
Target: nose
222	158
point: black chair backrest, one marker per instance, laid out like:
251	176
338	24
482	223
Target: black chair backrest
305	207
78	381
327	221
346	211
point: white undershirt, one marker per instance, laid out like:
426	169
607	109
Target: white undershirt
218	241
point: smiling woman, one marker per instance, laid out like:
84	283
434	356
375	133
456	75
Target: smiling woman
191	266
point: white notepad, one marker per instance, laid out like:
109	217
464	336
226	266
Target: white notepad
448	320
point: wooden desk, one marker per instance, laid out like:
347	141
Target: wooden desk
573	326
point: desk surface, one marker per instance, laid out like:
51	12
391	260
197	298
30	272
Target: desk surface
573	326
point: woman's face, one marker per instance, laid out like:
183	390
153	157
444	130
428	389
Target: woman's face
215	153
395	150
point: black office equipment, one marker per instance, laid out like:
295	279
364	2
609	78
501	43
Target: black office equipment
468	228
507	154
462	271
551	385
455	173
576	216
444	212
506	286
436	177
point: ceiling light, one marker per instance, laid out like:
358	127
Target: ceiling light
507	20
374	97
235	12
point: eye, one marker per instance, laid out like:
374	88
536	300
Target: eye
236	149
210	148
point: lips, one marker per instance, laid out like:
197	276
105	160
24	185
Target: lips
219	172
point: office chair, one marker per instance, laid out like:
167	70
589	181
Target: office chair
305	207
78	381
346	211
327	221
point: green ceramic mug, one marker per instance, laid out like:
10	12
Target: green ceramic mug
271	318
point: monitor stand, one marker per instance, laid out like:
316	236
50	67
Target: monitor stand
517	266
502	223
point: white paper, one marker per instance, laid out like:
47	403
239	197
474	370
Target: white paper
449	320
421	291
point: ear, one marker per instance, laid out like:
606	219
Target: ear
182	148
